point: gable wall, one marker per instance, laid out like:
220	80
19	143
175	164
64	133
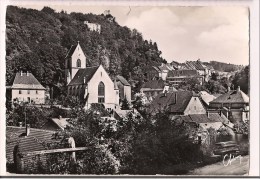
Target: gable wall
195	107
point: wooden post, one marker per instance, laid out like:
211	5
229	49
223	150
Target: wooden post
71	142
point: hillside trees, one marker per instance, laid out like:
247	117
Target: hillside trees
38	41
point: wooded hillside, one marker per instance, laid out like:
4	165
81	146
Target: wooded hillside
38	41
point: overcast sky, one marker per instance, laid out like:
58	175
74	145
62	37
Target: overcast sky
184	33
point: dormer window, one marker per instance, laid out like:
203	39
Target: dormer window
78	63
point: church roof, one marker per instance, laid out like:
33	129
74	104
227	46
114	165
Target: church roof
122	80
87	72
71	51
26	81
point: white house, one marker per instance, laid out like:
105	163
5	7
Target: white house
26	88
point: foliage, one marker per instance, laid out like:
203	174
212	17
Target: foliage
193	84
220	66
37	41
125	104
241	79
32	115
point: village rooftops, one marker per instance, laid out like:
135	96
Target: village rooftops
204	118
83	75
233	96
176	102
34	140
26	81
177	73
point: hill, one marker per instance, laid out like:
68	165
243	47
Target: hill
38	41
225	67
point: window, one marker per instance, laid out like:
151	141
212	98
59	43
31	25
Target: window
101	92
20	91
36	91
78	63
28	91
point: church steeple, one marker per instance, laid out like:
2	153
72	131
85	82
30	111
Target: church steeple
75	60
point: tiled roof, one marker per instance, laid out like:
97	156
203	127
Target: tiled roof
175	73
26	81
87	72
62	123
206	97
33	142
169	100
154	84
204	118
71	51
122	80
233	96
163	67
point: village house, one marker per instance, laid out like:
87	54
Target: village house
178	103
176	77
26	88
124	88
154	87
201	124
234	104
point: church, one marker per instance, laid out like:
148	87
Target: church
90	84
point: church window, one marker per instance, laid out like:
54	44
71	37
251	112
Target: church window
78	63
101	92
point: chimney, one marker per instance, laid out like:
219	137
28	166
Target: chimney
27	129
60	117
21	73
238	89
20	124
84	80
27	74
228	89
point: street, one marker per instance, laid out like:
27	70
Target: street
231	166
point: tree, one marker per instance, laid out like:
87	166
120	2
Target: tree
125	104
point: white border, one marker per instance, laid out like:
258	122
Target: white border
254	60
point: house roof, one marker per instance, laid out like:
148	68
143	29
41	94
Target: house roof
87	72
233	96
206	97
62	123
71	51
26	81
154	84
204	118
182	73
33	142
122	80
163	67
176	101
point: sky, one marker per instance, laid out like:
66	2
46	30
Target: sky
219	33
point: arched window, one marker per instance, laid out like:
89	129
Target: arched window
101	92
78	63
